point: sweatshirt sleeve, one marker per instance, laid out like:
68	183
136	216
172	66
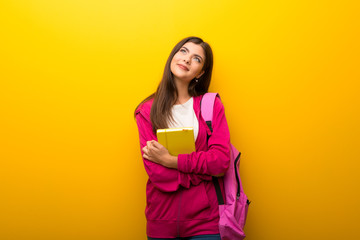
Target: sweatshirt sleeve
216	159
165	179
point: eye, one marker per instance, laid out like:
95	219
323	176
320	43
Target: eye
197	59
183	50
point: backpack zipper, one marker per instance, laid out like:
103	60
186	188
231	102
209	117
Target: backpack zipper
237	176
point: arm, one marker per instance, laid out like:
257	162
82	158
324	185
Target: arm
165	179
157	153
216	159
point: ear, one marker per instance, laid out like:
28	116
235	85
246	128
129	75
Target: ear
200	74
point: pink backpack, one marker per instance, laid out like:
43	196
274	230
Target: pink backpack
233	210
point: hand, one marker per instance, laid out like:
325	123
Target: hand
157	153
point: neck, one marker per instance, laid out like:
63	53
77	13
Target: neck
183	92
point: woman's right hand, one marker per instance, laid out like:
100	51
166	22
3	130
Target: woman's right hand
157	153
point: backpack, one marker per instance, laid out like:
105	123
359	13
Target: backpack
232	211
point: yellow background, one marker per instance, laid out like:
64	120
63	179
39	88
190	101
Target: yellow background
72	72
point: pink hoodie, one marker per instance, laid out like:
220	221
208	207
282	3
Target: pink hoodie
182	202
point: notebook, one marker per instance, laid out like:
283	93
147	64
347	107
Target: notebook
177	140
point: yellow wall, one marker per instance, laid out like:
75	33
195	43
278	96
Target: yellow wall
72	72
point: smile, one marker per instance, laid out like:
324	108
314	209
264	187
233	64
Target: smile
183	67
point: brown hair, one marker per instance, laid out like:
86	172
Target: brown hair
166	93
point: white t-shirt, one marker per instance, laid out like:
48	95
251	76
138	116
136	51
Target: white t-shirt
184	116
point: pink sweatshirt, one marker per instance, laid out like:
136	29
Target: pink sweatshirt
182	202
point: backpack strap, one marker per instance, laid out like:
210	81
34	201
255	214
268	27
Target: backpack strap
207	110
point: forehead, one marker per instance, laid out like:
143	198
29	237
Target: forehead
195	49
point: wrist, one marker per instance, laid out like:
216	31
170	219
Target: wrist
172	162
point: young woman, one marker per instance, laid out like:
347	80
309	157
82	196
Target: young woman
181	198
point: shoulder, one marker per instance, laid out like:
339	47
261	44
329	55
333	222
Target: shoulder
217	102
219	110
215	110
144	108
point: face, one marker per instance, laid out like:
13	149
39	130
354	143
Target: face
188	62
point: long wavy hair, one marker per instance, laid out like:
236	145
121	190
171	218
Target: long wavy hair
166	94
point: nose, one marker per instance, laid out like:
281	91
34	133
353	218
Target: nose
187	60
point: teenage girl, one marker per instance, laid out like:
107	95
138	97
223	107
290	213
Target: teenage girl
181	201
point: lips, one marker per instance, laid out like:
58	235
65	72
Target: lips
183	67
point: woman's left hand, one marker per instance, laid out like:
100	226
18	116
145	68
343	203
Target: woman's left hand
157	153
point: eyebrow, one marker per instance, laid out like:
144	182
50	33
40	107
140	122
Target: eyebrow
194	54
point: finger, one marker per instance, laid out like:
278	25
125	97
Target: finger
145	150
150	151
146	156
157	144
151	147
160	147
149	144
